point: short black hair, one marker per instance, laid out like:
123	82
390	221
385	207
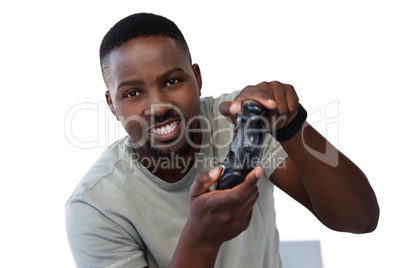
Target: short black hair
136	26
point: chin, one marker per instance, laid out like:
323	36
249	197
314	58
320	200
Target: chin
178	150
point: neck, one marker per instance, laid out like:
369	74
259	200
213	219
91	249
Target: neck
174	168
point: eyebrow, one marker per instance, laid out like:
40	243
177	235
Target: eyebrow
138	82
166	75
130	83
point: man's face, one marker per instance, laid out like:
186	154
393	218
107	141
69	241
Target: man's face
154	91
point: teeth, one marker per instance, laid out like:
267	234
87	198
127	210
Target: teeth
165	129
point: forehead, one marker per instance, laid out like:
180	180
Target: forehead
144	54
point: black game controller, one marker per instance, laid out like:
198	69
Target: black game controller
244	150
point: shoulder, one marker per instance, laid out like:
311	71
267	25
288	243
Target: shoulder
220	129
210	105
210	110
104	168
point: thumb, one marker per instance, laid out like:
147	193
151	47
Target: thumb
203	181
230	109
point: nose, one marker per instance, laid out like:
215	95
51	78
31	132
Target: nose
158	103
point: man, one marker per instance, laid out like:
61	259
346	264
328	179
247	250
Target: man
150	200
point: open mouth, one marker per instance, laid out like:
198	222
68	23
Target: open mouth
165	129
165	132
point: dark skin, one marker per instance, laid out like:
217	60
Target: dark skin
154	70
146	79
338	195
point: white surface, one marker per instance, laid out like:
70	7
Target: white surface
340	51
301	254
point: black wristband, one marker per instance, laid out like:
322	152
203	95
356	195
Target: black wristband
290	130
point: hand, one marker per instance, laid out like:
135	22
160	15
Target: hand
280	100
218	216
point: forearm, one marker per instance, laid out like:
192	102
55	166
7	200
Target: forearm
339	192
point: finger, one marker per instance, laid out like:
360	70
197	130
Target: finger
278	117
247	221
287	100
261	93
204	181
239	193
250	182
253	177
230	108
267	98
269	103
293	101
247	209
279	95
251	199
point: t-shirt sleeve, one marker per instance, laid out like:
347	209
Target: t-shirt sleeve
96	241
272	155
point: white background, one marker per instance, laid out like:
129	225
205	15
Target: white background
342	53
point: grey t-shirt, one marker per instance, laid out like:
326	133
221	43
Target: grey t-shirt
121	215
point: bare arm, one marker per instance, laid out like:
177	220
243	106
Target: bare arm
328	183
316	174
215	217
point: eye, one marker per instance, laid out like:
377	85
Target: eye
131	94
171	82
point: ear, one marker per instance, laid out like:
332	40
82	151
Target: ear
197	73
110	104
